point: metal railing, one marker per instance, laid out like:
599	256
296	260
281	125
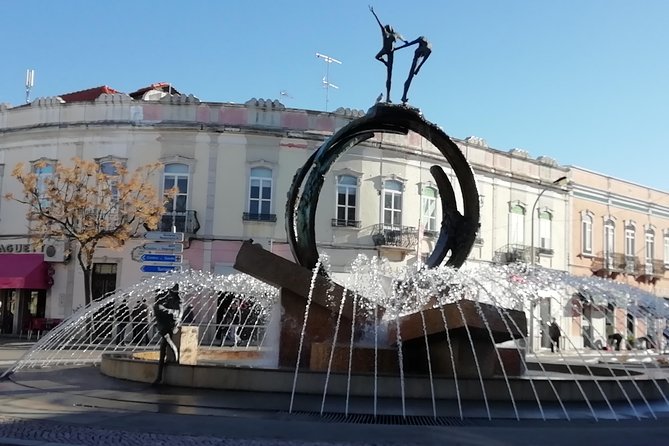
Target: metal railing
512	253
396	236
185	221
248	216
339	223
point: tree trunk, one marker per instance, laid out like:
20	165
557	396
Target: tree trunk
88	273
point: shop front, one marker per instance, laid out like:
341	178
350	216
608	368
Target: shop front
24	281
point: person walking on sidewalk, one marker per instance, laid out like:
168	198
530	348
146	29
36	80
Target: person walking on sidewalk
554	334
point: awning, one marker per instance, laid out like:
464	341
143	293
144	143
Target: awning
26	271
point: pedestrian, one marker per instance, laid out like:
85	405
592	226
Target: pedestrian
554	334
140	323
122	320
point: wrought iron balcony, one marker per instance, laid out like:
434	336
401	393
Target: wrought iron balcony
185	221
651	268
248	216
605	263
395	236
339	223
512	253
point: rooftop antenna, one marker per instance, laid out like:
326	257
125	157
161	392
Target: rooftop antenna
285	93
326	79
30	81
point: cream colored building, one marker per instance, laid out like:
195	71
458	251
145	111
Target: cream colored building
234	164
621	232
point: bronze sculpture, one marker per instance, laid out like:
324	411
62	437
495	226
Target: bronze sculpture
168	312
389	37
421	54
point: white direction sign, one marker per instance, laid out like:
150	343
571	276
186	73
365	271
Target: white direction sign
175	248
164	236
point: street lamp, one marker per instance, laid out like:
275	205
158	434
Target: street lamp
559	182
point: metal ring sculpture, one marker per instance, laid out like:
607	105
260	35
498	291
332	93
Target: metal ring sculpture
458	231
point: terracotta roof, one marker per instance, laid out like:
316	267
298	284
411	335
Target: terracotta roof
87	95
160	86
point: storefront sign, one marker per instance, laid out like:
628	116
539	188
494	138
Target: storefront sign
17	248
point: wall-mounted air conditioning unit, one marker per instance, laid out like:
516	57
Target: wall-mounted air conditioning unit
54	251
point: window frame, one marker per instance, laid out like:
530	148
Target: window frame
260	199
393	193
48	163
429	218
516	222
347	208
587	221
630	239
177	175
545	220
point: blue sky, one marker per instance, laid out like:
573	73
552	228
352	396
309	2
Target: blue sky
583	81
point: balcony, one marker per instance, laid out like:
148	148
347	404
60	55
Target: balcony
512	253
610	264
402	237
339	223
650	270
248	216
185	222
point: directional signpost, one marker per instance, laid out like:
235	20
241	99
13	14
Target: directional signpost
162	254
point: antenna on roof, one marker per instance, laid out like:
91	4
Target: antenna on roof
285	93
326	79
30	81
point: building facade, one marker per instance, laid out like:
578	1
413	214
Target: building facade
233	165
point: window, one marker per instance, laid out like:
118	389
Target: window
650	246
260	194
630	248
110	169
429	208
347	192
609	242
666	248
517	224
586	233
392	203
176	175
44	170
545	223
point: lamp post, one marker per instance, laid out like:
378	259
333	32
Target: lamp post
560	181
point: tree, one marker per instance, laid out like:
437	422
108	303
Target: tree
88	203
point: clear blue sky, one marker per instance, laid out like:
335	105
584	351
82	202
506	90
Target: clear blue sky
582	81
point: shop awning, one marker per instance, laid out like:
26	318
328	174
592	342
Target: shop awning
26	271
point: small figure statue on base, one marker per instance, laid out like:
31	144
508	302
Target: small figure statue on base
168	310
389	37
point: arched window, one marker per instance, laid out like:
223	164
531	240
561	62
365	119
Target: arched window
650	246
347	199
666	248
44	169
630	240
392	203
609	242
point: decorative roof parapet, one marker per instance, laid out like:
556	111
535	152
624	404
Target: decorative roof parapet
519	153
114	98
265	103
547	161
349	112
49	101
476	141
5	106
179	99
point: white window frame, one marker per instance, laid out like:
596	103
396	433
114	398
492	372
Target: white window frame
545	217
393	189
516	217
50	164
609	241
429	208
176	176
264	182
630	239
649	245
348	209
666	247
587	219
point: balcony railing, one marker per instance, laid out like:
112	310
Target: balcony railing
186	222
512	253
339	223
651	268
395	236
610	263
248	216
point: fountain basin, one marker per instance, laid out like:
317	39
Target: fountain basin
557	379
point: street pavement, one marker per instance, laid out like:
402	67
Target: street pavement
79	406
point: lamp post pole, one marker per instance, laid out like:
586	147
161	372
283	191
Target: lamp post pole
560	180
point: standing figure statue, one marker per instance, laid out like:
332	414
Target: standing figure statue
168	311
421	54
389	38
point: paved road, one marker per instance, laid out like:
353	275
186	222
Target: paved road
79	406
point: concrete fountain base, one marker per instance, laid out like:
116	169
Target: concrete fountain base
560	380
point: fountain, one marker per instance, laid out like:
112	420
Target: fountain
432	340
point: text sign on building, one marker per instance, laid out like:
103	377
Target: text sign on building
164	236
171	258
175	248
159	268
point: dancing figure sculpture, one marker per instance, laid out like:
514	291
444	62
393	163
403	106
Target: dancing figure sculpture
168	310
389	38
421	54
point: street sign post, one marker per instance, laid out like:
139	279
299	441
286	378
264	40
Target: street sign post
169	258
175	248
164	236
158	268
